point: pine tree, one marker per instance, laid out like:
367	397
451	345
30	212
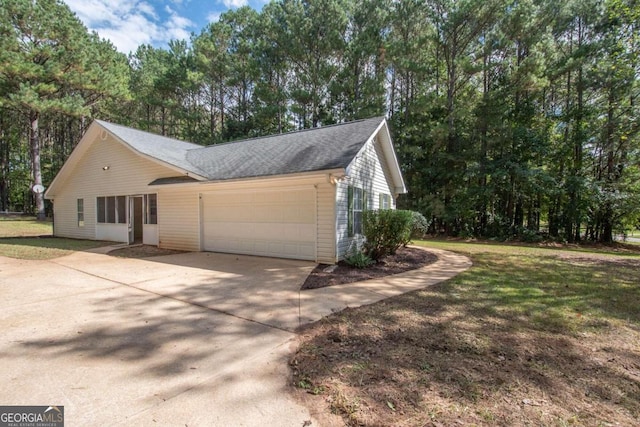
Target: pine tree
50	63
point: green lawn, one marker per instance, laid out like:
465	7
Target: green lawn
24	226
27	238
552	284
527	336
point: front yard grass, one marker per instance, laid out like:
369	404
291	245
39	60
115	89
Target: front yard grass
22	226
42	248
527	336
27	238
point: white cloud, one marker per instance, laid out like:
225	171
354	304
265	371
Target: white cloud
177	26
131	32
235	3
130	23
213	17
92	12
147	9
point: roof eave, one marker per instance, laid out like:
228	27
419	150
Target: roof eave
390	152
322	172
71	161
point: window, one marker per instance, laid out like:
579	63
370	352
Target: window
385	201
121	207
80	209
112	210
151	213
101	208
357	204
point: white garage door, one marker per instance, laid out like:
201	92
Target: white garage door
278	223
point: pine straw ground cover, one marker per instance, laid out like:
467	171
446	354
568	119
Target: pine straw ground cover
527	336
405	259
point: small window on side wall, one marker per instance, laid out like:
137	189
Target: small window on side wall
385	201
357	204
80	210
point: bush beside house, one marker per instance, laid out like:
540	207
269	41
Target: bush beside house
385	231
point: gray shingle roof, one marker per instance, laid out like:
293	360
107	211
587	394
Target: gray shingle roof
169	150
328	147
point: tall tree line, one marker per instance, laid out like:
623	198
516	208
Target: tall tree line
510	117
51	71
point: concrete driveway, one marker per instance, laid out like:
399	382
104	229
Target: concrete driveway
194	339
197	339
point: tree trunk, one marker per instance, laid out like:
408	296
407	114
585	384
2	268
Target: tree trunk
35	164
5	151
222	105
279	101
610	172
212	113
4	169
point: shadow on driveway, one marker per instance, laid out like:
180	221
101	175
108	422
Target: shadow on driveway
82	337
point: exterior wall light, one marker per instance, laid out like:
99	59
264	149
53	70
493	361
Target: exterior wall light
106	168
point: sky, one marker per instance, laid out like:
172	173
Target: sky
131	23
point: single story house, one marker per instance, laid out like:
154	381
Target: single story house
297	195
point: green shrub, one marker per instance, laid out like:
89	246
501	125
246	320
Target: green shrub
420	226
385	231
359	259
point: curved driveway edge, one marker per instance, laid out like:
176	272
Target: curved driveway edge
317	303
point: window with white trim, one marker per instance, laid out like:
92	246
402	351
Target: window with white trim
111	210
357	203
385	201
80	210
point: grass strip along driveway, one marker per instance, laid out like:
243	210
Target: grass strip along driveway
527	336
23	237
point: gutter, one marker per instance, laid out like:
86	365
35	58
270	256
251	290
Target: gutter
339	171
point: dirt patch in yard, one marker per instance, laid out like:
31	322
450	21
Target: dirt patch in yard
142	251
405	259
539	339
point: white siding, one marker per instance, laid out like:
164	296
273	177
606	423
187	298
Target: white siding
179	208
370	172
150	234
179	218
326	241
128	174
179	211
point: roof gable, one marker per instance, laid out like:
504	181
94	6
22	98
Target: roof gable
167	150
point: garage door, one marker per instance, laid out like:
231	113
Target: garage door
278	223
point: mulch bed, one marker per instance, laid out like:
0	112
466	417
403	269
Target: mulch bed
405	259
142	251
